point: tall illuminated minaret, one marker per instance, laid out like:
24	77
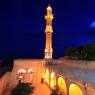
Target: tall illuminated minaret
48	31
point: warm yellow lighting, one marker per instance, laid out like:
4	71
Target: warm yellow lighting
46	76
20	77
21	71
52	84
49	8
30	70
48	30
62	85
52	75
47	71
75	90
53	80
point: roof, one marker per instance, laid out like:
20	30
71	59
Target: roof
77	73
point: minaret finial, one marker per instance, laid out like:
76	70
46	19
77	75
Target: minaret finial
49	7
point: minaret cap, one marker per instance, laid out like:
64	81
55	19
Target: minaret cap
49	8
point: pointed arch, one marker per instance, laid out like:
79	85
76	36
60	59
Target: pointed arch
75	90
62	85
52	80
46	76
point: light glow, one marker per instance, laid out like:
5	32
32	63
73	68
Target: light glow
21	71
62	85
30	70
48	30
53	80
52	75
46	76
93	24
75	90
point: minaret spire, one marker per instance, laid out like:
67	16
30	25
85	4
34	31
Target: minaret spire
48	31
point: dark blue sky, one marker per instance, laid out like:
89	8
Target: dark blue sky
22	26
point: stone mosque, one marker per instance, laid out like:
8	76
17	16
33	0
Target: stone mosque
51	72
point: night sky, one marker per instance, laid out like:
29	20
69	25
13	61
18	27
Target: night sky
22	26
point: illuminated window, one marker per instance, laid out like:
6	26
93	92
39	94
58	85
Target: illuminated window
21	71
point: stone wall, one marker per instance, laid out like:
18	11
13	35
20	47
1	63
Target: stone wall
34	78
3	82
79	64
81	70
37	65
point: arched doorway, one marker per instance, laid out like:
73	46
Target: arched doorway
75	90
52	80
62	85
46	76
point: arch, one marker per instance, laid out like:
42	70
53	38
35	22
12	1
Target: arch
75	90
62	85
21	71
46	76
52	80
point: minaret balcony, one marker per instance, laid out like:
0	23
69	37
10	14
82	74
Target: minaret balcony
49	29
50	17
48	50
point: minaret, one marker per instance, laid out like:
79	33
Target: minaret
48	31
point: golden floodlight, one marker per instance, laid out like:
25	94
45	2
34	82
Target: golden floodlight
48	31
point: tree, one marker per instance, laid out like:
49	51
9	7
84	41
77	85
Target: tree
70	52
23	89
86	52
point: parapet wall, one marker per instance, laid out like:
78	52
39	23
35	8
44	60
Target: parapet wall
83	64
